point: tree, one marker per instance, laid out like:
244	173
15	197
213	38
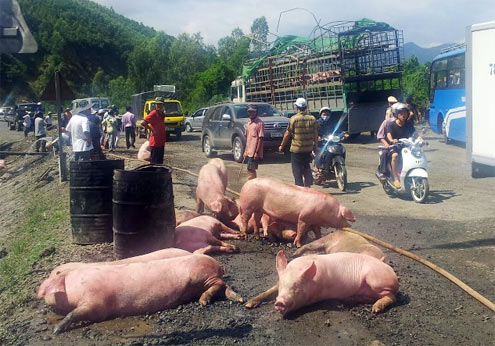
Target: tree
259	33
415	81
120	91
234	49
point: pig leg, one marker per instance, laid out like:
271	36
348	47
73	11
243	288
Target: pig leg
227	229
257	218
302	229
80	313
221	247
313	247
200	206
230	294
265	224
266	296
211	292
383	302
230	236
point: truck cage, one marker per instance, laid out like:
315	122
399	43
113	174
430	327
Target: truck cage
344	62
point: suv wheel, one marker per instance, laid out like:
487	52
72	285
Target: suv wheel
207	147
237	149
188	127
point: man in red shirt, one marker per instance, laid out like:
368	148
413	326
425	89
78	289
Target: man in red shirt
155	122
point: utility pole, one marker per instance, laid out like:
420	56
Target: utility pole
62	157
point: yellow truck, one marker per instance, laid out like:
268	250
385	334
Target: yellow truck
144	103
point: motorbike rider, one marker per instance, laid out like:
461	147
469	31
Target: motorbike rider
326	125
396	130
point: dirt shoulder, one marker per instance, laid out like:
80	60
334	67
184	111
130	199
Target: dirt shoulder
430	310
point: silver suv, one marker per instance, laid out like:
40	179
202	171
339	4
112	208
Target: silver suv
224	128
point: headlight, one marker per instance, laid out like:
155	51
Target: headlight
416	152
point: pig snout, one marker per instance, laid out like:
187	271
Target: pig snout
281	305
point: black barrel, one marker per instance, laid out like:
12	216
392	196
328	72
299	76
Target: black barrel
143	210
91	200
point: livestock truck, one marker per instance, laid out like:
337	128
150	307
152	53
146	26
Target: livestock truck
480	88
350	67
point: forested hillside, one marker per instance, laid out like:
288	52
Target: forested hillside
101	53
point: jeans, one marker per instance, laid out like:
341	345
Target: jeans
157	155
300	168
130	136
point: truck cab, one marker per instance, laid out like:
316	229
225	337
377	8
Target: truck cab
174	116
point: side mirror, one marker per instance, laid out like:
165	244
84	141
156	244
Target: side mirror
226	117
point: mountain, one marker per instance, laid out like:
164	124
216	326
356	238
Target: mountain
423	54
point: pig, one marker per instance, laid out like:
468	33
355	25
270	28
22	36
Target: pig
212	183
341	241
144	152
305	207
202	235
101	292
160	254
344	276
3	166
182	216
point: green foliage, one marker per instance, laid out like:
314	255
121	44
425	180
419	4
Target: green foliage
415	81
120	90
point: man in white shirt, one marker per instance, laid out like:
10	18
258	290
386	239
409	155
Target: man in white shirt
78	127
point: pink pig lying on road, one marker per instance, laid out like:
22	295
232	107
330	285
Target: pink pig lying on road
273	230
182	216
202	235
305	207
144	152
100	292
341	241
346	276
212	183
156	255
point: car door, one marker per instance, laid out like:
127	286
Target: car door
226	127
214	126
197	121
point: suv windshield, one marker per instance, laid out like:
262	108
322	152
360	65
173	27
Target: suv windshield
264	110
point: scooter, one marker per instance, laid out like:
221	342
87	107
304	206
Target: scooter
413	175
329	162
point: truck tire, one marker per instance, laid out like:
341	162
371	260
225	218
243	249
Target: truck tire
237	149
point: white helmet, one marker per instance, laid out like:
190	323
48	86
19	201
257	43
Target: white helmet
399	107
325	109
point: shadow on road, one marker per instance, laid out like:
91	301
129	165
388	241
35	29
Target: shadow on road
464	244
438	196
352	188
186	337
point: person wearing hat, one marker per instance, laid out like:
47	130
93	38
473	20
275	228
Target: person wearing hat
303	130
255	132
40	132
155	123
389	113
78	127
65	119
49	121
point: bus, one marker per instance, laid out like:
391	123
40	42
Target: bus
447	114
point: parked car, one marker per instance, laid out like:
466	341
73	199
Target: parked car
224	127
3	112
195	121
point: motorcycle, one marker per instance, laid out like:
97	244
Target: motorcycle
413	174
329	162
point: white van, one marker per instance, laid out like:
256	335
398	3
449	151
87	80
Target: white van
97	102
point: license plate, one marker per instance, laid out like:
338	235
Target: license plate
276	134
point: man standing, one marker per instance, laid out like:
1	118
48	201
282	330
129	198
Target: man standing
26	123
254	141
155	123
40	132
95	132
304	133
110	123
78	127
129	125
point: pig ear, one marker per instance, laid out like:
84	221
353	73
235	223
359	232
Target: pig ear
281	261
310	272
52	286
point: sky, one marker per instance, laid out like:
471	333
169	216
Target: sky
427	23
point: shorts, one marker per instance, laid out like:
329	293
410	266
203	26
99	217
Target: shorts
251	164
